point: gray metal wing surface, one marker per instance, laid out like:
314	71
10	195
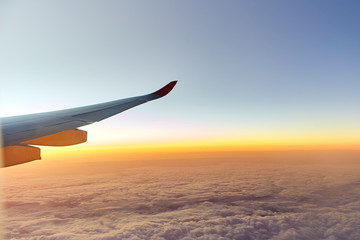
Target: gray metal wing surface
19	129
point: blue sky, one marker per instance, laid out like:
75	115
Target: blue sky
246	69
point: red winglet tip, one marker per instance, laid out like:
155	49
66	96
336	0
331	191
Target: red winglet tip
165	90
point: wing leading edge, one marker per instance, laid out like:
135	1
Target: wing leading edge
59	128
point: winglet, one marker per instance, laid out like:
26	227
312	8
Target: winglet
165	90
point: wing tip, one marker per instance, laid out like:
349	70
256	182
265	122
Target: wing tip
165	90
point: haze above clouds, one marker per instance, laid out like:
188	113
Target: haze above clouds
313	195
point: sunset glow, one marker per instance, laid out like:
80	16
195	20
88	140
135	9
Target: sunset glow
181	149
259	139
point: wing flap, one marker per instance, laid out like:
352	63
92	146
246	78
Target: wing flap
66	138
18	154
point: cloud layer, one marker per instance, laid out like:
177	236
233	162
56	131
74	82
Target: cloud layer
203	199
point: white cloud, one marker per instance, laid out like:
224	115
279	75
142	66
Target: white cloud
219	200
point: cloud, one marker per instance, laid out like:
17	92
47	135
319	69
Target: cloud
223	200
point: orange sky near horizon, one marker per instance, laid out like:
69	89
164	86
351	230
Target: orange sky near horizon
188	149
78	158
81	159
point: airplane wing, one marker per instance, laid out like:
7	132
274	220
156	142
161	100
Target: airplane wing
59	128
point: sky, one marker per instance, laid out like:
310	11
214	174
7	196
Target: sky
252	76
251	73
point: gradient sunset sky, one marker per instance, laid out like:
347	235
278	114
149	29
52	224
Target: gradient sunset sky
252	74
